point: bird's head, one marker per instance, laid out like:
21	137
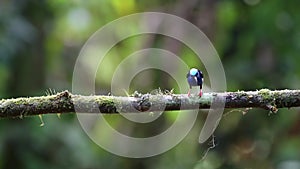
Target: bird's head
193	72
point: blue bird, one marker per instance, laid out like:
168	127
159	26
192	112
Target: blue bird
195	78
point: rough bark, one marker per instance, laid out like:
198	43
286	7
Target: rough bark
65	102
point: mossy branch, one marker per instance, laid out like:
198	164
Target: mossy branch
65	102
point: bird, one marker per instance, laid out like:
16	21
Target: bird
195	78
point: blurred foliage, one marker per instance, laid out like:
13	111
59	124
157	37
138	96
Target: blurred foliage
257	41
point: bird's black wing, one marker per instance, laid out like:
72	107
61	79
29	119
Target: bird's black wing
200	74
199	78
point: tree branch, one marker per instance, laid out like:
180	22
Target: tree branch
65	102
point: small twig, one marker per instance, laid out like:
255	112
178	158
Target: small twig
212	144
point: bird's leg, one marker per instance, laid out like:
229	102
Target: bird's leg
200	93
189	92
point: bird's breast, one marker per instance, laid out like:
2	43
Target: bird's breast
193	81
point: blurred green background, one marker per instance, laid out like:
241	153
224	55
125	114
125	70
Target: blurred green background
259	45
